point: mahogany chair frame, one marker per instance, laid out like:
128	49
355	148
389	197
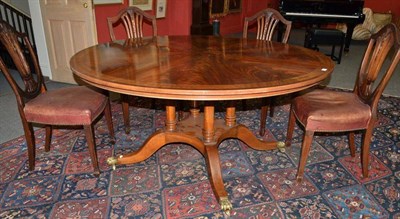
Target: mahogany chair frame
32	87
377	52
267	21
132	19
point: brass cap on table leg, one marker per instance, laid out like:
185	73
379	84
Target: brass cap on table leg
112	161
226	205
281	146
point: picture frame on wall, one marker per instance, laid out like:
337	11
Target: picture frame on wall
161	8
218	8
234	6
145	5
104	2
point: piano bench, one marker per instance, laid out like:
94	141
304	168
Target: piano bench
333	37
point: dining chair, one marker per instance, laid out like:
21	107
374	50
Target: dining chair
327	110
267	21
132	19
69	106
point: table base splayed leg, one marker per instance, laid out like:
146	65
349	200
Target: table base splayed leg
205	133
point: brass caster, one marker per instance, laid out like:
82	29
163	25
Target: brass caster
112	161
226	205
281	146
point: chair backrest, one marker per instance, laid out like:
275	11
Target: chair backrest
132	18
382	45
267	21
20	51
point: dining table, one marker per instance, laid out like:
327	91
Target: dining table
200	68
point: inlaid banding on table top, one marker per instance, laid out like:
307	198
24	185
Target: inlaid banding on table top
163	63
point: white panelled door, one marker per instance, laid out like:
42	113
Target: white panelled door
69	27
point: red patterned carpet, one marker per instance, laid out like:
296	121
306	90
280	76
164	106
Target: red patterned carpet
173	183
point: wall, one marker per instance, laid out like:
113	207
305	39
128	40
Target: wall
233	23
40	37
179	16
177	21
22	5
383	6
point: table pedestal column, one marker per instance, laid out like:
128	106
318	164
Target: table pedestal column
204	133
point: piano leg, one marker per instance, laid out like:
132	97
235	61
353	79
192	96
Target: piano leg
349	34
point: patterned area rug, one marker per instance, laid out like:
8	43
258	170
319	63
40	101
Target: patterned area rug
174	183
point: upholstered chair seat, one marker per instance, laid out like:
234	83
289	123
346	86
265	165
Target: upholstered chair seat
327	110
66	106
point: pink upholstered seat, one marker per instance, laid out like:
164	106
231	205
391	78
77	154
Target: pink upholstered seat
66	106
336	111
327	110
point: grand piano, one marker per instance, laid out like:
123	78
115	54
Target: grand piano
317	12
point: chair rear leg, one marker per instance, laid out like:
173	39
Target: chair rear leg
244	105
352	144
365	150
30	141
305	150
48	138
125	113
92	147
290	129
107	114
263	116
272	100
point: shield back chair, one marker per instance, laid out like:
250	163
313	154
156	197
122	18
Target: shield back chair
132	19
71	106
267	22
324	110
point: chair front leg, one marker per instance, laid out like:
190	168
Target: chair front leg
263	115
30	141
125	112
305	150
92	147
107	114
290	129
365	149
48	138
352	144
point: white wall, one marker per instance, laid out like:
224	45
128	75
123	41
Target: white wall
22	5
38	31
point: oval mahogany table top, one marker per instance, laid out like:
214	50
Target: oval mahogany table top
200	67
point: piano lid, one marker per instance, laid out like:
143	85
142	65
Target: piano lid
342	7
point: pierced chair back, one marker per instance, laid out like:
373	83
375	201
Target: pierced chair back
33	84
367	88
132	18
267	21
